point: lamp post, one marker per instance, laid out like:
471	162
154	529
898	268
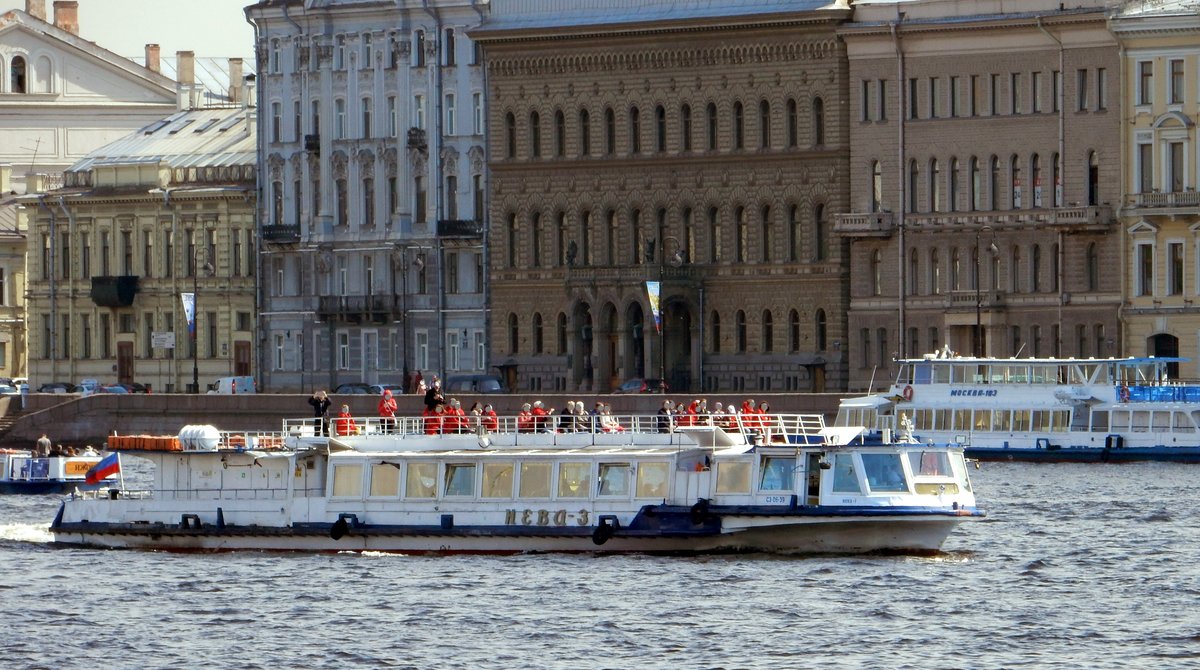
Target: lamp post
676	260
196	315
978	288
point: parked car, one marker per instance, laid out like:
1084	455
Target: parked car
111	388
57	387
134	387
378	389
9	389
473	384
353	388
643	385
87	386
233	385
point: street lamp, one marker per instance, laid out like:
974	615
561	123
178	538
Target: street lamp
675	260
208	268
993	249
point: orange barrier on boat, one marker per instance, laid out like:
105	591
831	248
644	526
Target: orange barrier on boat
144	443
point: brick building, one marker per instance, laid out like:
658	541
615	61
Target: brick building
701	146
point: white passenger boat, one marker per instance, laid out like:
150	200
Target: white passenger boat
1041	409
27	472
786	483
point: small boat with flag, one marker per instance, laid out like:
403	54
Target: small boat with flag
1041	409
778	483
30	472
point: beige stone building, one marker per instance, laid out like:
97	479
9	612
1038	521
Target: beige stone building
985	165
13	240
699	145
165	212
1161	210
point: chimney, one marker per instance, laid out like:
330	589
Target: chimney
152	60
235	79
5	179
248	91
36	9
66	15
185	78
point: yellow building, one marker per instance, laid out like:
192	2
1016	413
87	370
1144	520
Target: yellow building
161	214
1161	213
12	282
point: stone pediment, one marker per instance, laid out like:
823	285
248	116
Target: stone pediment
1143	227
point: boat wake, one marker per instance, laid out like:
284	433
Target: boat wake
25	532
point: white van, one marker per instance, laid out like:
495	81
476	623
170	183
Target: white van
233	385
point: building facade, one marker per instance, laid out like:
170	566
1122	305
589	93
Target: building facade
986	167
1161	210
62	96
684	155
138	227
373	177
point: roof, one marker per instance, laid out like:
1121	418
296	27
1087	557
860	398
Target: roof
1159	8
211	73
213	137
534	14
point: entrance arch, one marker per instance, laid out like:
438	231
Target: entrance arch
677	345
1165	345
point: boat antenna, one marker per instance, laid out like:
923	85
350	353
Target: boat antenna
871	385
1020	350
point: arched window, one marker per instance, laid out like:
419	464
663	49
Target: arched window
1093	178
913	267
818	113
510	135
560	134
793	123
1015	166
685	127
765	236
794	234
935	186
793	331
994	182
43	75
535	243
585	237
955	269
660	129
1035	264
764	124
876	186
1035	173
1057	185
914	177
821	329
512	240
935	273
560	239
715	240
610	131
953	184
710	121
976	193
1092	263
561	330
715	327
585	133
819	233
535	135
514	338
17	80
610	236
743	235
739	126
740	327
768	332
635	130
638	237
689	235
537	333
876	272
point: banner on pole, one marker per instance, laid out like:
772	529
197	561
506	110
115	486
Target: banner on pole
652	293
189	311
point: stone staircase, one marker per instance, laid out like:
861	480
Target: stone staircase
8	420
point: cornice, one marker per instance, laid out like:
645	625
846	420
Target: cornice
1049	20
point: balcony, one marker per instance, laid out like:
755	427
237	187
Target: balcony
1071	219
460	228
416	139
964	300
872	224
281	234
114	291
313	143
1168	204
359	308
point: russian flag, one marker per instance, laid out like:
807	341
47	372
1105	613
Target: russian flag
108	466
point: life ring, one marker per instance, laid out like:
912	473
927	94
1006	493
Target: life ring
1123	392
907	393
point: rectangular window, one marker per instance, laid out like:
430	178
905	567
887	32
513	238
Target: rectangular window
343	351
1176	93
1145	83
393	120
276	121
1145	168
973	96
882	98
933	98
367	131
421	481
652	479
460	479
364	54
385	481
535	480
1081	91
448	47
297	120
339	119
994	95
419	111
912	98
865	103
954	93
498	480
105	336
1145	268
339	52
1175	268
1014	93
451	116
477	112
1035	90
1175	165
574	480
1101	89
1056	84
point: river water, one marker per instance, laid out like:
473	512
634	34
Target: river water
1077	566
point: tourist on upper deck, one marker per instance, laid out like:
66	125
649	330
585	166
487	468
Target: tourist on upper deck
320	402
490	420
344	423
664	417
434	397
43	444
387	412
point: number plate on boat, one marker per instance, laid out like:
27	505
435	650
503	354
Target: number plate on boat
777	500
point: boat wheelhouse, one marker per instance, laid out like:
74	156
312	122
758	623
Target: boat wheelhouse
27	472
1043	409
787	483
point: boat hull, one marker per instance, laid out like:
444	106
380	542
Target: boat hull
9	487
1052	454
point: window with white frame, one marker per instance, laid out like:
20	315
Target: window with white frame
1145	83
451	115
419	111
422	349
1143	259
1174	176
477	112
343	351
279	352
452	350
480	349
1145	167
366	131
1175	267
393	121
339	52
339	119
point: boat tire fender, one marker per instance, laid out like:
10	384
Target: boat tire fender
907	393
339	528
605	530
698	514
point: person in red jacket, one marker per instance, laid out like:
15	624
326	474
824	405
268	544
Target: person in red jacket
525	419
490	421
344	423
541	417
387	412
434	417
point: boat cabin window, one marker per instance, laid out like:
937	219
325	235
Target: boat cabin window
962	419
460	479
574	480
347	480
421	480
1183	423
1099	421
983	419
884	472
652	479
733	477
845	479
1001	420
614	479
535	480
385	480
1139	421
777	473
1020	420
497	480
929	463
